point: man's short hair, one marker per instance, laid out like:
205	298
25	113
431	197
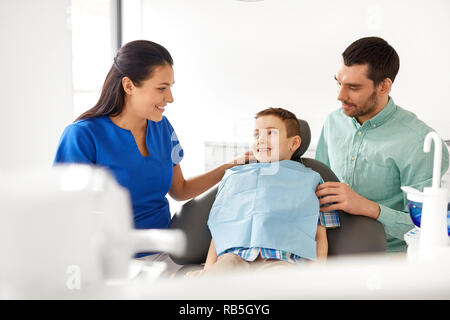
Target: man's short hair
383	61
289	119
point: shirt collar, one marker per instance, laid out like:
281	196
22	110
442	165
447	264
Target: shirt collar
382	116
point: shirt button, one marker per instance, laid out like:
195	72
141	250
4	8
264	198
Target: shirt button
359	133
374	125
353	158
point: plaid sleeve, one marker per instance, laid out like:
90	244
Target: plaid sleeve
328	219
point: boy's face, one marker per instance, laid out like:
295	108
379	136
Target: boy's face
271	142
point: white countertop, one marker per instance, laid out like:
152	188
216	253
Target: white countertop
352	277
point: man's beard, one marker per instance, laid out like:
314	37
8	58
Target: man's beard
367	108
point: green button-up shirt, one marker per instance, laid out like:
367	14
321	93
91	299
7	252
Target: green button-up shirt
378	157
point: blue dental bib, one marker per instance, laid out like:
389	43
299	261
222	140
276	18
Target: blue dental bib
267	205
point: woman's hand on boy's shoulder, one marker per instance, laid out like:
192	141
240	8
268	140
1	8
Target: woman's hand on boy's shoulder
243	159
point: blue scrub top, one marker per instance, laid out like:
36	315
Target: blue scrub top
100	142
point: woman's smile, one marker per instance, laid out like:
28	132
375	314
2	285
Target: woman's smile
161	108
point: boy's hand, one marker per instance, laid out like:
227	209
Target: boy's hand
342	197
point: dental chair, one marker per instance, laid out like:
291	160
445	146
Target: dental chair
357	234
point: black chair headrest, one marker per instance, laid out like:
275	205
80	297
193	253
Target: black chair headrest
305	134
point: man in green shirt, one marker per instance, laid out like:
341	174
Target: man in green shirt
373	145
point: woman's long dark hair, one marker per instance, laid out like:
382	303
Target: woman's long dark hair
135	60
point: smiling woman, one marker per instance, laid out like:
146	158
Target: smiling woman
127	133
139	66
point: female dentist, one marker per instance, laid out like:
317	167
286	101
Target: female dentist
127	133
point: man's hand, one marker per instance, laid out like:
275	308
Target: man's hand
342	197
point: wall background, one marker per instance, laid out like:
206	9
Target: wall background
234	58
36	81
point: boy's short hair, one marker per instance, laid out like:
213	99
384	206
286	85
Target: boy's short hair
289	119
381	57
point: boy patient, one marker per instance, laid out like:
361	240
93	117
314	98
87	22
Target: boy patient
267	214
